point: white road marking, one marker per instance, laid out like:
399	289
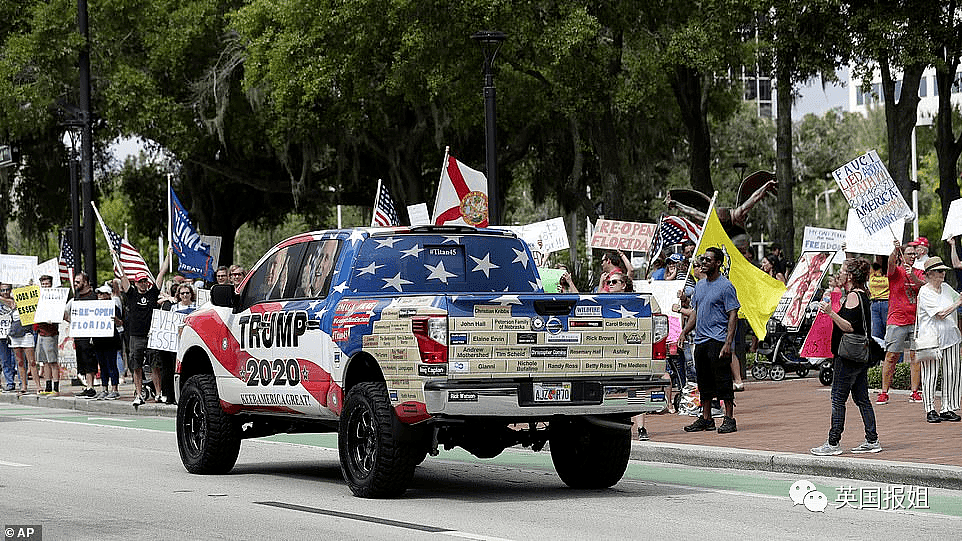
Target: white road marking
13	464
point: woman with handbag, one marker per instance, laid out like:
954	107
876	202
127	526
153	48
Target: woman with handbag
937	342
851	331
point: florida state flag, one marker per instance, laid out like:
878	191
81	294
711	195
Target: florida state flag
462	195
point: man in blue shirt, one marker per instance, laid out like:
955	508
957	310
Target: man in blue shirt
714	322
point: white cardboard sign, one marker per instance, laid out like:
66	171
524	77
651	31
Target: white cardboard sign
92	319
163	333
52	304
857	240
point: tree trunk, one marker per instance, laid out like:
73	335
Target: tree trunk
692	97
900	119
783	165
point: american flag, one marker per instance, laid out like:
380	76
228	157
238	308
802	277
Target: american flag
130	259
385	215
66	260
674	230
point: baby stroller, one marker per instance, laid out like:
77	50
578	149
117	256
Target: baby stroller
778	353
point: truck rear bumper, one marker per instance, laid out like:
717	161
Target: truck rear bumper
517	398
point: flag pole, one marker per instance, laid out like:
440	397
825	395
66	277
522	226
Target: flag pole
377	197
711	207
110	245
661	242
170	226
437	198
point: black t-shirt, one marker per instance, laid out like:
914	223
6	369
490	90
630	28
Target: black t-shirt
140	307
856	317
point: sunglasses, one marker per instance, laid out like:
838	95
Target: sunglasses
236	274
615	281
184	293
6	290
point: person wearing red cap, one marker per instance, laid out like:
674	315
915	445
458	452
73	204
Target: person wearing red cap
921	252
904	283
141	301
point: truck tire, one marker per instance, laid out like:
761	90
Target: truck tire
208	438
374	462
588	455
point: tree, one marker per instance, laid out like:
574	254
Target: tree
947	49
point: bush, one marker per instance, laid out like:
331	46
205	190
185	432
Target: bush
901	380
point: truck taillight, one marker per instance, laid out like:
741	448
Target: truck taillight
659	337
432	335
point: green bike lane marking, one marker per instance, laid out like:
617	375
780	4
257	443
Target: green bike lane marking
940	501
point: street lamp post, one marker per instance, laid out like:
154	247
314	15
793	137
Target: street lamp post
86	145
490	41
73	129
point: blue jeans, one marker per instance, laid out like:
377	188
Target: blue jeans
880	314
107	361
9	365
851	378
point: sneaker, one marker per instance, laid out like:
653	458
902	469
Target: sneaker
933	417
883	398
867	447
137	402
112	395
701	424
89	392
827	449
102	395
728	426
738	387
916	397
643	434
160	399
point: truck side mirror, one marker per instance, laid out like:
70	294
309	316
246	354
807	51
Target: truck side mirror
223	295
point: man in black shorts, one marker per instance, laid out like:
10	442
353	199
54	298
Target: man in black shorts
141	301
86	358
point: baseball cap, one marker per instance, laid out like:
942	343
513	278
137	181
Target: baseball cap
141	276
104	289
675	258
922	241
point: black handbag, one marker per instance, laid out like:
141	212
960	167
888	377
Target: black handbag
855	347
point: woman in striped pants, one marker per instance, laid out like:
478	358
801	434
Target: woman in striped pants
938	326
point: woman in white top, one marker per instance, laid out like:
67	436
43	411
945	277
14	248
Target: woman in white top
938	327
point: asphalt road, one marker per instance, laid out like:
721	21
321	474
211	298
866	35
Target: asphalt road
83	476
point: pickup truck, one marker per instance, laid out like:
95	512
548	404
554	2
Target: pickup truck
405	340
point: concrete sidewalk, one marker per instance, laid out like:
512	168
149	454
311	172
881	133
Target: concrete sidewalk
778	422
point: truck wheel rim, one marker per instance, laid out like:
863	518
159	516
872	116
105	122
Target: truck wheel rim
195	425
362	441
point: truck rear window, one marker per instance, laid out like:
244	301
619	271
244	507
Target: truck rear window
433	263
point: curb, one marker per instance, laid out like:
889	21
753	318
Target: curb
864	469
119	406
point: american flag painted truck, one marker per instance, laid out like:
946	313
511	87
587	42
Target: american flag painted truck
405	340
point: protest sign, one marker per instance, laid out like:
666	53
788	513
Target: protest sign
418	214
953	220
870	191
6	319
92	319
550	279
163	334
805	279
857	239
818	239
48	268
627	236
17	269
542	238
818	342
27	298
52	304
203	297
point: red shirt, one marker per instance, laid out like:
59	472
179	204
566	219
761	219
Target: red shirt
902	297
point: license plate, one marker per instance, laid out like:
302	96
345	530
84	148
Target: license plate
552	392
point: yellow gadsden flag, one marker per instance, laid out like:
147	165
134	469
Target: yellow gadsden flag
758	293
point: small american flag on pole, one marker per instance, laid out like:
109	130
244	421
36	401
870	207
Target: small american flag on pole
674	230
65	262
125	256
385	215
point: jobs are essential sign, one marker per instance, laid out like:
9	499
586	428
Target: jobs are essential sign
92	319
627	236
164	327
27	298
871	192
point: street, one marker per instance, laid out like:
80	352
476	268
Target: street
86	476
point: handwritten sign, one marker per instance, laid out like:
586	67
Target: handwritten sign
49	268
627	236
203	297
17	269
91	319
870	191
544	237
163	334
6	319
819	239
27	298
418	214
858	240
953	220
52	304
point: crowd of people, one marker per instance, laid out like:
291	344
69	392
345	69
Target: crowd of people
31	353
